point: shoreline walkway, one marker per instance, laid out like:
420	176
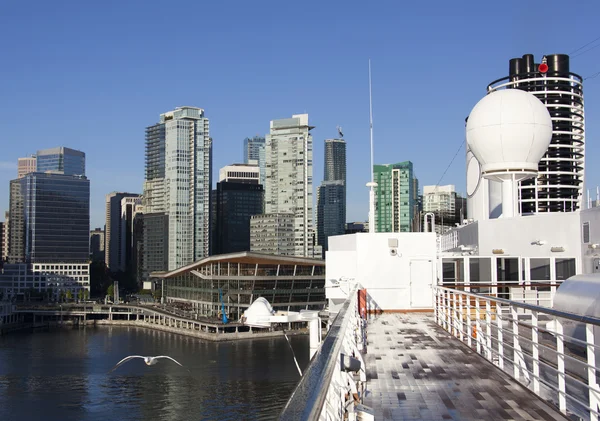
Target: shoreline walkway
418	371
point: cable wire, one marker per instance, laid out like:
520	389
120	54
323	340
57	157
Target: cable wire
450	164
585	51
583	46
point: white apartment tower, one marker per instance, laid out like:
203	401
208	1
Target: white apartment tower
289	177
177	189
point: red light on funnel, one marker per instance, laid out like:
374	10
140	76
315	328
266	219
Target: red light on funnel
543	68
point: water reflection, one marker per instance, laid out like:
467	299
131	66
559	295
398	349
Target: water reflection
62	375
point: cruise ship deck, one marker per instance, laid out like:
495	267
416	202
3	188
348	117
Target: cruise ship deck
418	371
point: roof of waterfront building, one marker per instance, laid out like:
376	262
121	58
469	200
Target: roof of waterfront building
247	257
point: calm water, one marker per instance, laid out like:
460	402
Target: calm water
62	375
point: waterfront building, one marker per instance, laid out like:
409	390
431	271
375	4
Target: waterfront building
272	233
288	283
119	214
26	165
49	214
446	205
61	160
395	197
177	190
235	203
97	245
331	194
289	175
255	154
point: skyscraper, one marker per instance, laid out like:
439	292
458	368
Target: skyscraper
61	160
254	154
288	186
236	199
446	205
177	190
115	240
560	181
26	165
97	245
331	197
395	196
50	226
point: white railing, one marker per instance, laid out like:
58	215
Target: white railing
550	352
333	385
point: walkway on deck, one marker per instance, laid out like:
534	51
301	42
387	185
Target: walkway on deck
417	371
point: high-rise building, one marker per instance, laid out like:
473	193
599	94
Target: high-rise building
50	226
240	173
61	160
116	231
446	205
235	204
289	175
177	190
26	165
273	234
97	245
396	196
559	185
331	211
5	234
130	207
16	224
254	154
331	195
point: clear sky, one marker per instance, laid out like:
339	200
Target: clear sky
92	76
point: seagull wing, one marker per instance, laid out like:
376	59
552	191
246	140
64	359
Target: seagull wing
172	359
124	360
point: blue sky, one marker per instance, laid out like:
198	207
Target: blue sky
93	75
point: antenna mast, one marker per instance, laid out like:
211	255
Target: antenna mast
372	184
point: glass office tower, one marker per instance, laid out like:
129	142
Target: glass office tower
61	160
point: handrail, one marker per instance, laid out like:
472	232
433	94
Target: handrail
560	368
547	310
308	398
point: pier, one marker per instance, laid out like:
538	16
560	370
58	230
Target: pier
141	316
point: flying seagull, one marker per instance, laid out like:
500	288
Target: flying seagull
147	360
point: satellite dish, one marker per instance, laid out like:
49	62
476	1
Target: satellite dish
339	129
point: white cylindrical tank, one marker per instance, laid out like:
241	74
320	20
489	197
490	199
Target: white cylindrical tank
580	295
508	131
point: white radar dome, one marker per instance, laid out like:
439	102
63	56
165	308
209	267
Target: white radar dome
509	131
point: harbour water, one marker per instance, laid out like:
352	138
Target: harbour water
62	374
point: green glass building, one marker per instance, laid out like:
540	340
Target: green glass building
395	197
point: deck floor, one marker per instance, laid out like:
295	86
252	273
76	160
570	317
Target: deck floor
418	371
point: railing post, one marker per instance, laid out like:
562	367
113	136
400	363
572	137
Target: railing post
448	313
435	304
594	390
469	327
515	331
461	318
535	352
500	337
478	331
454	311
488	329
560	356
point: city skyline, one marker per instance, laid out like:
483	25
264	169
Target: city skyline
115	87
